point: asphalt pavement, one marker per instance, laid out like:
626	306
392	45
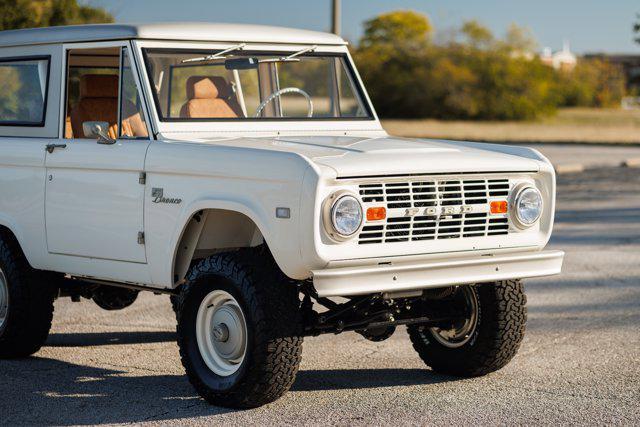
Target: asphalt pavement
588	156
579	363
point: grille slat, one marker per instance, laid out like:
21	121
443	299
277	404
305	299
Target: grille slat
431	197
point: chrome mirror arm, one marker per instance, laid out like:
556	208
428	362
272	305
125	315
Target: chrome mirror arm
105	139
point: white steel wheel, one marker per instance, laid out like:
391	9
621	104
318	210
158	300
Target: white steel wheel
4	300
221	332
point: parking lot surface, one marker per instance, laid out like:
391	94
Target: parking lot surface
579	363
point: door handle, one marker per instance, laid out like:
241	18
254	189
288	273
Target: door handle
51	147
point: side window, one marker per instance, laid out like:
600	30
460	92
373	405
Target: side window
101	88
23	91
131	114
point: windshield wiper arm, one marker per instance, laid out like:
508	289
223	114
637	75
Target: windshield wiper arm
219	55
293	56
300	52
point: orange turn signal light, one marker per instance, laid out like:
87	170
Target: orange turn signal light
499	207
376	214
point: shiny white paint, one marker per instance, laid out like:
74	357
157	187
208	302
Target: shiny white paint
94	203
245	170
402	276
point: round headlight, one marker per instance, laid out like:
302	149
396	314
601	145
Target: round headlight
528	206
346	215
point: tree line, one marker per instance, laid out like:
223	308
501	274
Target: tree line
17	14
471	74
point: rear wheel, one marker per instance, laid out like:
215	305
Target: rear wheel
239	329
26	302
487	336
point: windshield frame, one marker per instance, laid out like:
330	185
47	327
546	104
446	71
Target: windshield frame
348	69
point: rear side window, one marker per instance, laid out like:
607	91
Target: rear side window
23	91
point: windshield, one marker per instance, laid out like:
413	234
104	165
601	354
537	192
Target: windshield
192	85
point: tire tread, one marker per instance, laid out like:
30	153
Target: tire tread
503	315
273	305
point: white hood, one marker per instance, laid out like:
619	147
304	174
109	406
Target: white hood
350	156
360	156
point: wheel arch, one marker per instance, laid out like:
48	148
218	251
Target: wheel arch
215	226
7	227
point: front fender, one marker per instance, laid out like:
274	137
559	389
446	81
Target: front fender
277	233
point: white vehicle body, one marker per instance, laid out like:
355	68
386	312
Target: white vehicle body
94	211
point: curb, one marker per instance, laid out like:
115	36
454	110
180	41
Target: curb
631	163
569	168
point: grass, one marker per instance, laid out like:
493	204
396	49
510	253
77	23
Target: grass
571	125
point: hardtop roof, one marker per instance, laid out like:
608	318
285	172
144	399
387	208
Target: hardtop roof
188	31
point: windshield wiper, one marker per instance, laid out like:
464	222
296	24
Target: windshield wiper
300	52
293	57
219	55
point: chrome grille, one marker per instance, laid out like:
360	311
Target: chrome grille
434	209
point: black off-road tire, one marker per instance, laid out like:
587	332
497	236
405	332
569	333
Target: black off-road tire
174	303
30	309
500	329
271	307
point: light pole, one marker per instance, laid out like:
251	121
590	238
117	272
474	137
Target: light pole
335	17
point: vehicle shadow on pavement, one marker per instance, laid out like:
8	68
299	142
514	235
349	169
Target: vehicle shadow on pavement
345	379
108	338
39	390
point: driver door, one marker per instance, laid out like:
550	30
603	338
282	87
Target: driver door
94	187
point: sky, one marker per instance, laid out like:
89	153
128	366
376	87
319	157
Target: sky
589	25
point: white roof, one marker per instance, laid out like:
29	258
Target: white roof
194	31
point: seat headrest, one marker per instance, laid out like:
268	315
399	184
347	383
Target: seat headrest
208	87
98	86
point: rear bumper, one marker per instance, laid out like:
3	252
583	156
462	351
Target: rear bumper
360	280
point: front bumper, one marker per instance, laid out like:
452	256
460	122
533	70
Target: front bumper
361	280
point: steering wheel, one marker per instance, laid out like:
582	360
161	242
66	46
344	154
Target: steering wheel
281	92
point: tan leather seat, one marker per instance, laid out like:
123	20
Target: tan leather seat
210	97
99	102
68	131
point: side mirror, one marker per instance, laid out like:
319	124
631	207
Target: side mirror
99	130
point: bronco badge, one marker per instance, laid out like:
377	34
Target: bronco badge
157	195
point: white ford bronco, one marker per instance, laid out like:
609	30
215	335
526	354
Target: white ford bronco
243	171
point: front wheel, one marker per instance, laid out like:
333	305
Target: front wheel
239	329
486	337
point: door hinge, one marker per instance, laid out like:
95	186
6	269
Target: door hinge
142	178
141	237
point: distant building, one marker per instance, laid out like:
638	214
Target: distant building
563	60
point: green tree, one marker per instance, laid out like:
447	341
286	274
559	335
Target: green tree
474	75
476	35
403	27
593	83
519	39
16	14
